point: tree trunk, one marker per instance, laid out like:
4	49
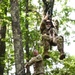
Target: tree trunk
48	7
2	42
27	37
2	48
18	48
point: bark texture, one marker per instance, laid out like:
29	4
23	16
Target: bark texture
18	48
2	48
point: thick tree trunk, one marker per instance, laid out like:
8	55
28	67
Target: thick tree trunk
18	48
48	7
27	37
2	48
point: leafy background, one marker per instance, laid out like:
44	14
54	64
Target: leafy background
63	12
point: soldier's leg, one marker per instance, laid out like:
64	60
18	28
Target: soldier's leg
41	73
46	48
60	46
44	38
46	44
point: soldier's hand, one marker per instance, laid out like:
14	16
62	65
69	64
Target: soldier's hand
51	37
26	65
46	17
45	36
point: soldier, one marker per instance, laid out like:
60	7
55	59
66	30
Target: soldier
37	62
50	37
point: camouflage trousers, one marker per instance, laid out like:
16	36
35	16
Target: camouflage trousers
39	74
49	42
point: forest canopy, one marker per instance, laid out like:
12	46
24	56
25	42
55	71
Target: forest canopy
20	35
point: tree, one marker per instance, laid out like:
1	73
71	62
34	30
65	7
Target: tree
32	20
2	48
48	7
27	37
2	38
18	48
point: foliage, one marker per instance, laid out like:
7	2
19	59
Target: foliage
52	66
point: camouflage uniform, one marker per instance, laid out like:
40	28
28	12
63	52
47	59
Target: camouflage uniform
37	64
50	38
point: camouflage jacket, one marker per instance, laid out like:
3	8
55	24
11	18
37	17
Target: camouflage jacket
37	64
49	31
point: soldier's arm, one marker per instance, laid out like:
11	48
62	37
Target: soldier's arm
55	32
42	26
56	24
45	36
38	58
34	59
43	23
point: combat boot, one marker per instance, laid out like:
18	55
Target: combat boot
62	56
46	54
